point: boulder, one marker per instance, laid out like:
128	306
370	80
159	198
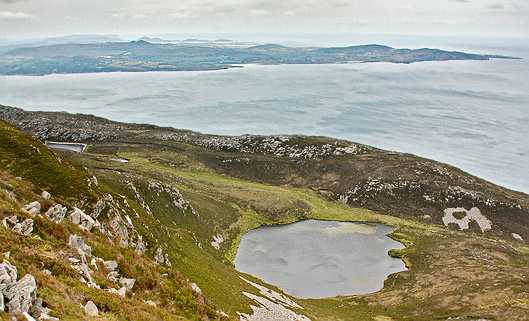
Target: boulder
22	295
195	288
8	275
140	246
90	309
45	195
158	256
46	317
24	228
32	208
56	213
2	305
127	283
77	243
38	310
99	208
121	292
10	221
113	276
84	221
110	265
28	317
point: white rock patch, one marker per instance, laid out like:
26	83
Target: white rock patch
474	214
217	241
272	306
517	236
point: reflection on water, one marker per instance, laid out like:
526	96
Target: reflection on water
316	259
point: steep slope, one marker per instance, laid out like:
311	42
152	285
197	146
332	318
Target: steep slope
88	258
190	197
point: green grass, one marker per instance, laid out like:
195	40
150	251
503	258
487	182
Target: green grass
23	156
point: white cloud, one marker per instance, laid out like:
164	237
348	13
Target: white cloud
8	15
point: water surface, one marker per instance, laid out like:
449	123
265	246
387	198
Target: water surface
318	259
471	114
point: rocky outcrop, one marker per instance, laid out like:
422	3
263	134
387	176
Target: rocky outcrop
20	296
32	208
56	213
86	222
161	257
271	306
20	227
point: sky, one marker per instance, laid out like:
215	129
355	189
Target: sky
44	18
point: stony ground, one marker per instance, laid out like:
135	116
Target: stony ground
178	202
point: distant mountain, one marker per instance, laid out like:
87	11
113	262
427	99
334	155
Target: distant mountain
196	54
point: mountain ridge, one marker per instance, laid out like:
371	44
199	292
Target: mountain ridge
141	56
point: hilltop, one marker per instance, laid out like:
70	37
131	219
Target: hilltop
170	206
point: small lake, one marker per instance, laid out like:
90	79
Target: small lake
319	259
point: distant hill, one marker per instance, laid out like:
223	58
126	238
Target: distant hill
194	54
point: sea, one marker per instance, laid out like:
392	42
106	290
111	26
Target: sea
470	114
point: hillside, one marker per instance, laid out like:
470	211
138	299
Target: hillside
170	206
139	56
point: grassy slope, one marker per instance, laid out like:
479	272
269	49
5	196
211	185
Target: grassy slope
466	271
47	248
452	274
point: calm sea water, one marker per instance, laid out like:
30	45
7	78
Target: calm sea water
338	258
472	114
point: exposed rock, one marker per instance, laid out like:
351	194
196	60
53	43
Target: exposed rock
21	296
40	312
127	283
81	266
158	256
517	236
99	208
32	208
122	292
77	243
24	228
56	213
196	288
140	246
272	306
2	305
8	275
150	302
45	195
46	317
174	194
113	276
110	265
91	309
119	227
474	214
28	317
84	221
217	241
10	221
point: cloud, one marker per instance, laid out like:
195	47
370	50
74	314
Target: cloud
10	1
460	1
8	15
496	6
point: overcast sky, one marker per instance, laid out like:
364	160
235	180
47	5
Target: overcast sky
36	18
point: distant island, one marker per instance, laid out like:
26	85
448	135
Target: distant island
142	56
